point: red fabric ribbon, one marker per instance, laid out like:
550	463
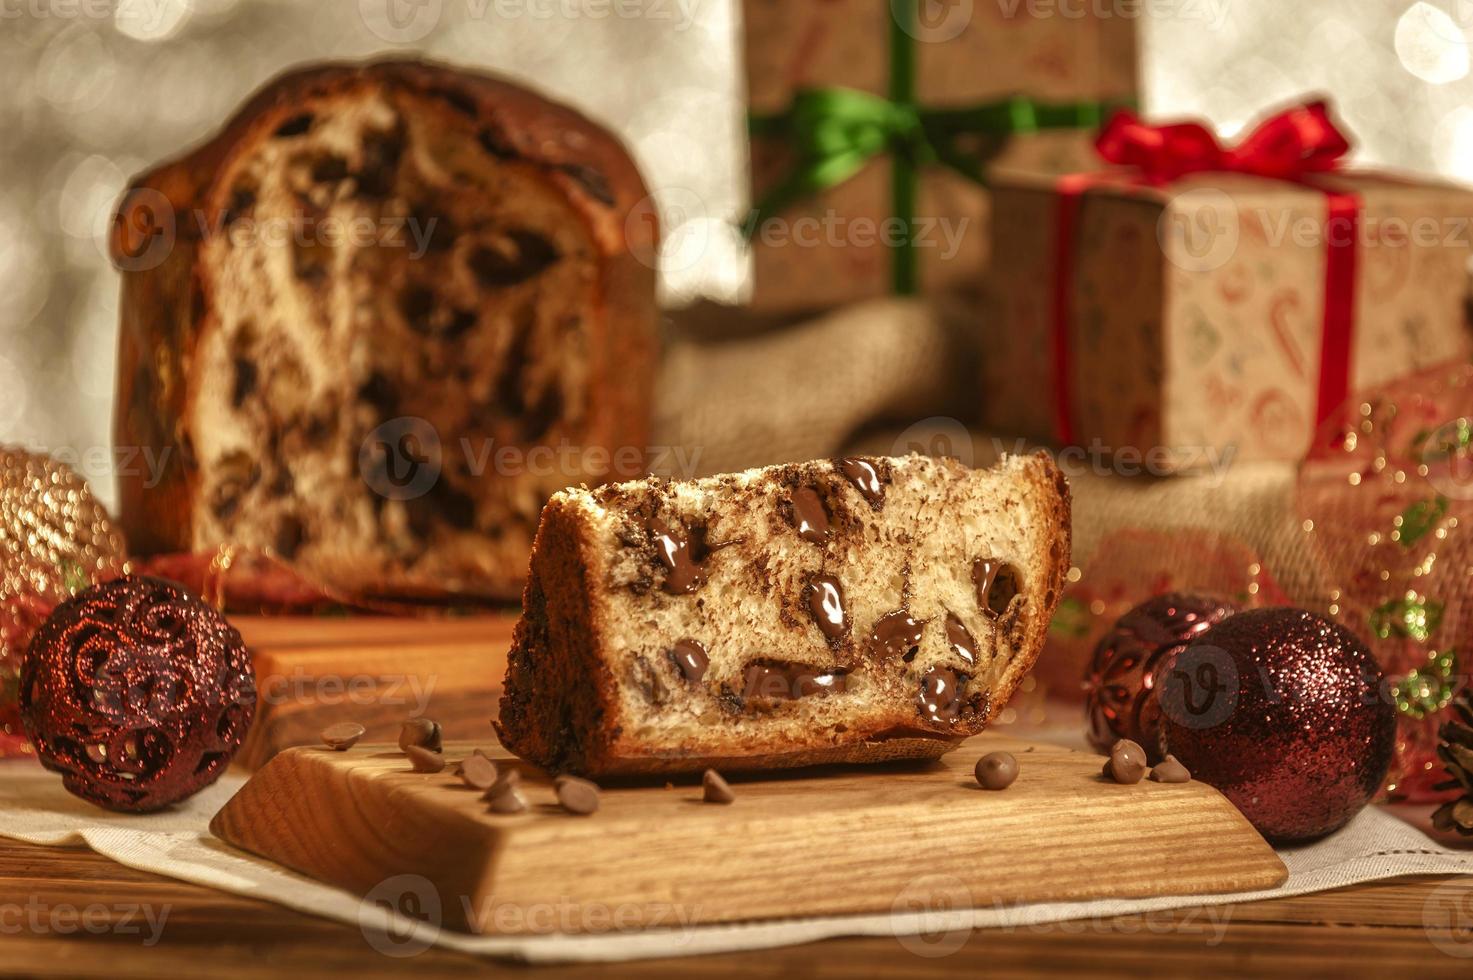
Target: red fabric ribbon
1293	145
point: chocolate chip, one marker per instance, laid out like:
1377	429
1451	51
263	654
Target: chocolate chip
342	736
379	168
865	477
421	732
591	180
478	772
826	605
242	202
296	125
940	697
246	377
423	760
291	534
786	682
462	102
960	639
810	517
496	144
517	256
509	780
683	573
997	584
1127	762
690	658
1170	770
329	169
714	789
896	634
507	798
577	795
996	770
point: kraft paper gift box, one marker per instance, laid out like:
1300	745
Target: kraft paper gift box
1196	310
963	55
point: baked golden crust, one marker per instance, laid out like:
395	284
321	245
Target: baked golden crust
170	302
587	689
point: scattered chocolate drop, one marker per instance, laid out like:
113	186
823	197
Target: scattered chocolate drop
420	732
864	476
1127	762
896	634
423	760
342	736
960	639
810	517
690	659
506	796
510	779
996	770
577	795
478	772
826	604
997	584
1169	770
940	697
714	789
683	574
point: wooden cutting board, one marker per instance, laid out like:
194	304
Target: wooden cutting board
377	671
829	841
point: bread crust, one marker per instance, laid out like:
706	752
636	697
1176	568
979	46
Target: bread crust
568	719
167	310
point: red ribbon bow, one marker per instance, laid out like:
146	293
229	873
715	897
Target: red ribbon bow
1289	146
1292	145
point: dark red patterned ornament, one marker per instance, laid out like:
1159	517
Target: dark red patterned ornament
1120	685
138	693
1286	713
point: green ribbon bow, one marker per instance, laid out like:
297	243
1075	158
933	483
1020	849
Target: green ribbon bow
835	132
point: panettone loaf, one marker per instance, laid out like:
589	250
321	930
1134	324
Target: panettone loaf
375	322
832	611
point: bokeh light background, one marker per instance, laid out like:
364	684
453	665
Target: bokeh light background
91	91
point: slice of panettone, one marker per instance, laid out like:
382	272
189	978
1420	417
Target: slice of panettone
832	611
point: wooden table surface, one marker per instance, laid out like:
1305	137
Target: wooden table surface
1420	927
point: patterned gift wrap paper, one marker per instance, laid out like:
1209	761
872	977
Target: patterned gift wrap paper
1197	308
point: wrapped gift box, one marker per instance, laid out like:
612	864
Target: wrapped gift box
964	55
1194	311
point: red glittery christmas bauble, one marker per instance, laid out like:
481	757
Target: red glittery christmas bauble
1120	685
1287	714
137	693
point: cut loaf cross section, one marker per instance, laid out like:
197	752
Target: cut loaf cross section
832	611
374	323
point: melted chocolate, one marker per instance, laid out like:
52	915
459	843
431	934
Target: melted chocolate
826	605
810	516
896	634
864	476
787	682
683	574
960	639
997	584
940	698
690	658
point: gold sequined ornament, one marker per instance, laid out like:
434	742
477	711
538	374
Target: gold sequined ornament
56	539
